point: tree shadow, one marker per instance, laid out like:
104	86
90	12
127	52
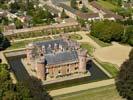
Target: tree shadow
37	90
124	80
4	42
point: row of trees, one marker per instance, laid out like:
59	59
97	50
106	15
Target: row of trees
31	89
109	31
43	33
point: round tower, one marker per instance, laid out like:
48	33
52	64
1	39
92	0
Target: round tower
29	53
82	55
40	67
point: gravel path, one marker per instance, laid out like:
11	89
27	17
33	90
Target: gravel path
88	39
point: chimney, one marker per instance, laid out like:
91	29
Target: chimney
43	49
60	47
55	46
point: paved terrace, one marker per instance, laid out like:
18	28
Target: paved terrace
10	32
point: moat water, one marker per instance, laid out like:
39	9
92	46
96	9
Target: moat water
22	75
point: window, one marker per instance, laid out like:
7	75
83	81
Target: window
76	68
59	71
67	70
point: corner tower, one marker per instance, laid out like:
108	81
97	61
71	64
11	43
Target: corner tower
82	56
40	67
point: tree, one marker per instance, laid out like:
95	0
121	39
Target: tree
107	31
4	42
81	21
124	80
119	2
31	89
63	14
18	24
74	4
14	7
84	9
129	33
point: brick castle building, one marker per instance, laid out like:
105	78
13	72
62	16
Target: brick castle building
55	58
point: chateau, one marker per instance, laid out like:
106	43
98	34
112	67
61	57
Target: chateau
56	58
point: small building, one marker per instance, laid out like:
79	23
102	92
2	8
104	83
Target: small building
53	11
73	13
103	12
56	58
3	13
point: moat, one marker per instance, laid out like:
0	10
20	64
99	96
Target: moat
22	75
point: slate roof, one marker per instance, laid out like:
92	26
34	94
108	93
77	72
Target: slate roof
51	9
61	57
108	13
78	13
52	43
113	15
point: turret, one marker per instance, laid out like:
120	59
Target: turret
40	67
82	55
29	53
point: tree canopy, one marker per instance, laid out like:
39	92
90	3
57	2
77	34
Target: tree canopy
107	31
73	4
124	80
63	14
4	42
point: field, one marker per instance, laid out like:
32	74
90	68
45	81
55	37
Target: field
102	93
111	68
107	5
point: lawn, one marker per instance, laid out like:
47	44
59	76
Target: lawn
89	47
102	93
75	36
22	44
108	5
111	68
99	42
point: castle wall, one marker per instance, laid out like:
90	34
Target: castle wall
82	60
54	71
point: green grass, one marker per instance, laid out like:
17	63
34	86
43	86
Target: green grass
99	42
22	44
111	68
56	37
89	47
102	93
75	37
108	5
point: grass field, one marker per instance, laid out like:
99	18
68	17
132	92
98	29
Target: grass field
99	42
102	93
111	68
22	44
89	47
107	5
